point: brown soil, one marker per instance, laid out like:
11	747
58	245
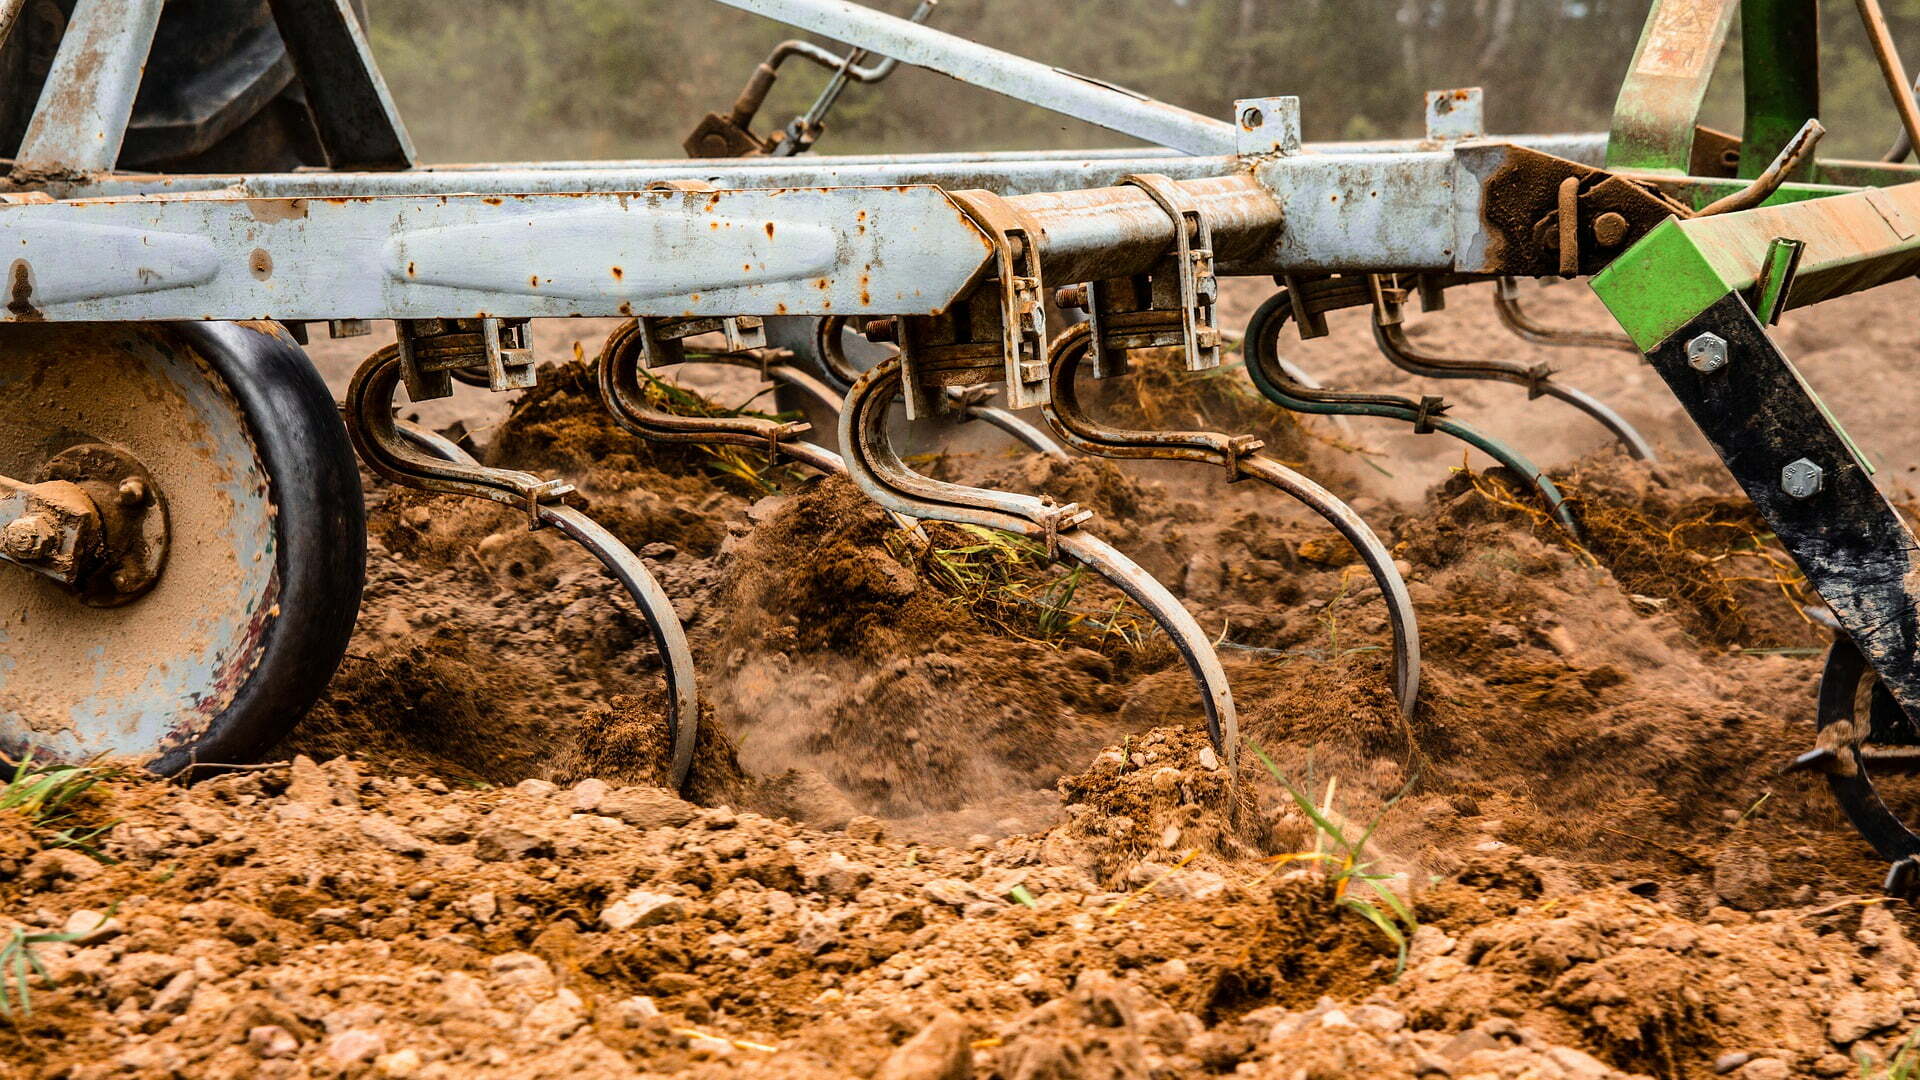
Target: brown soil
953	814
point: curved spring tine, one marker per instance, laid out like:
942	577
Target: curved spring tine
877	469
1506	300
1237	455
1263	367
1391	335
833	360
413	458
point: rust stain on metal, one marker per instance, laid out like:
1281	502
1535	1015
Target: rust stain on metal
769	230
260	263
619	274
20	292
272	210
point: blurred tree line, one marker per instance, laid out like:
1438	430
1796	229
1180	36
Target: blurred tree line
531	79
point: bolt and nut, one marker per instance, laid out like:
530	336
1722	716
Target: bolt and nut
30	536
1802	479
1707	353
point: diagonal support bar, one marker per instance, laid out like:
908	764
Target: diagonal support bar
352	110
1805	478
1016	77
87	101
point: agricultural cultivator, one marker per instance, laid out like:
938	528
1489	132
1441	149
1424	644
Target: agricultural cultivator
179	497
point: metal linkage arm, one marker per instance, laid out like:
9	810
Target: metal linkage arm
1389	332
1026	80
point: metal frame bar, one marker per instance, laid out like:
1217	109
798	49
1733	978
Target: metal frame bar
85	105
1056	89
352	109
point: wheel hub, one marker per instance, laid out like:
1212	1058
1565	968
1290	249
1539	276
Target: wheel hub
96	522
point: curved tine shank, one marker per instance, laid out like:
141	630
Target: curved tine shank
1392	339
1506	300
618	374
414	457
877	469
1032	437
1235	455
1263	367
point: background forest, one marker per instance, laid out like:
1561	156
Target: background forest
522	79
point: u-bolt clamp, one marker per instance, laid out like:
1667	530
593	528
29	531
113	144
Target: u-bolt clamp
413	458
1023	307
1239	455
1193	265
1389	333
965	401
876	468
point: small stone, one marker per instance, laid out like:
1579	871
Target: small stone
307	785
501	842
636	1010
1378	1017
173	998
866	829
58	864
642	908
939	1051
1578	1065
1765	1069
588	793
647	807
520	969
1832	1065
387	832
950	891
400	1063
913	976
539	789
1743	877
272	1040
1209	760
1859	1014
355	1045
482	907
555	1018
88	927
1730	1061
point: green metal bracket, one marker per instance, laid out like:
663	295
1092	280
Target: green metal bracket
1853	241
1780	44
1658	110
1659	104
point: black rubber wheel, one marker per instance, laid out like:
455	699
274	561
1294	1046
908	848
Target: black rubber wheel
253	611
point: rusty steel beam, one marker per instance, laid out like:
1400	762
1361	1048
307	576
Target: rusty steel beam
85	105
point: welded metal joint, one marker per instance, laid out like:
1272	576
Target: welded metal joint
1266	126
1707	353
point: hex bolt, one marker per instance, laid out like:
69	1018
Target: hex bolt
1610	228
29	536
1707	353
1802	479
